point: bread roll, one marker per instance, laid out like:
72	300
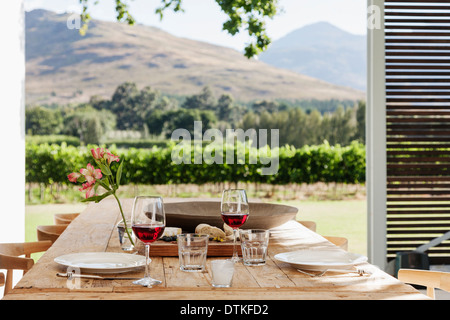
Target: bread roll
213	232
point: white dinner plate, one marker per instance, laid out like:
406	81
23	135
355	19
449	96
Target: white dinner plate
102	262
319	260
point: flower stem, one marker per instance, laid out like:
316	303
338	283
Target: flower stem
124	220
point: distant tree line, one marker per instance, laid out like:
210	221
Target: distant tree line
147	110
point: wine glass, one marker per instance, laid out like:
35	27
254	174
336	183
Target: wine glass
148	221
234	210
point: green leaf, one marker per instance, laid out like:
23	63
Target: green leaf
119	174
105	169
104	184
99	198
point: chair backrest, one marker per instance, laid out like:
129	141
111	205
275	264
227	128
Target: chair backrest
430	279
311	225
341	242
64	218
10	260
2	279
50	232
338	241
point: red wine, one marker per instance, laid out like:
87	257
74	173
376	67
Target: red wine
148	233
234	220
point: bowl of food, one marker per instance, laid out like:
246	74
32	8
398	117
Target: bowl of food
188	215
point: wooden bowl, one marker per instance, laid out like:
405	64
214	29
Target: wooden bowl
188	215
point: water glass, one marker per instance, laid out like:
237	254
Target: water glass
125	242
222	273
192	251
254	243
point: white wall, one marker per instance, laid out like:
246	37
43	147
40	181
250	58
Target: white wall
12	117
12	132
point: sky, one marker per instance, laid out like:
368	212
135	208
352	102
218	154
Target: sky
202	19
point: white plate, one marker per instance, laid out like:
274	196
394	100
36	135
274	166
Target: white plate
319	260
102	262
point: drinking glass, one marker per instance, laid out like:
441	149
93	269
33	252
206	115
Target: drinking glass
148	221
234	209
192	251
254	244
222	273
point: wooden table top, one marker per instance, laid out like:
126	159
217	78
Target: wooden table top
94	231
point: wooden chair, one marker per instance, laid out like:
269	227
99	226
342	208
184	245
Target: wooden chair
50	232
311	225
2	279
430	279
338	241
64	218
10	258
341	242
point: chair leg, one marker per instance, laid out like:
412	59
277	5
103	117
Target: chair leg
9	281
430	293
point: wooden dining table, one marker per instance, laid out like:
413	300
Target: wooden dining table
94	230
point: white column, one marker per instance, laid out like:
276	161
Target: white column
376	135
12	122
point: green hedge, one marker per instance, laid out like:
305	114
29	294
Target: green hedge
53	139
49	164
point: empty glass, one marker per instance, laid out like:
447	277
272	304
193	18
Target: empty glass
192	251
124	240
254	243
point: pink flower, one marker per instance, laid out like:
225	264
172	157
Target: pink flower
111	157
98	153
89	188
90	173
73	177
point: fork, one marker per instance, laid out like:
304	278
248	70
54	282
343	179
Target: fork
360	272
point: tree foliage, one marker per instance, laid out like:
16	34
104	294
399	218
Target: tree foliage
149	112
242	15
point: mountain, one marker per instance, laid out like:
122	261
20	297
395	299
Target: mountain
64	67
322	51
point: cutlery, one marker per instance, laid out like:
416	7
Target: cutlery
70	275
360	272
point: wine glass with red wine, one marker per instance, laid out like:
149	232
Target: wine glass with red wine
234	210
148	221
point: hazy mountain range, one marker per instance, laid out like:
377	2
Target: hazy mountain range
322	51
62	66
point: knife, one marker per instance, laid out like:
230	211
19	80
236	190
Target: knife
71	275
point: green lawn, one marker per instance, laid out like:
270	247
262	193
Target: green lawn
347	218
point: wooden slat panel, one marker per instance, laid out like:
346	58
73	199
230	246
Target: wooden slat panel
443	33
422	92
417	73
417	37
391	46
408	106
415	20
433	146
417	14
427	41
417	7
408	86
421	216
417	80
438	126
413	1
416	60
